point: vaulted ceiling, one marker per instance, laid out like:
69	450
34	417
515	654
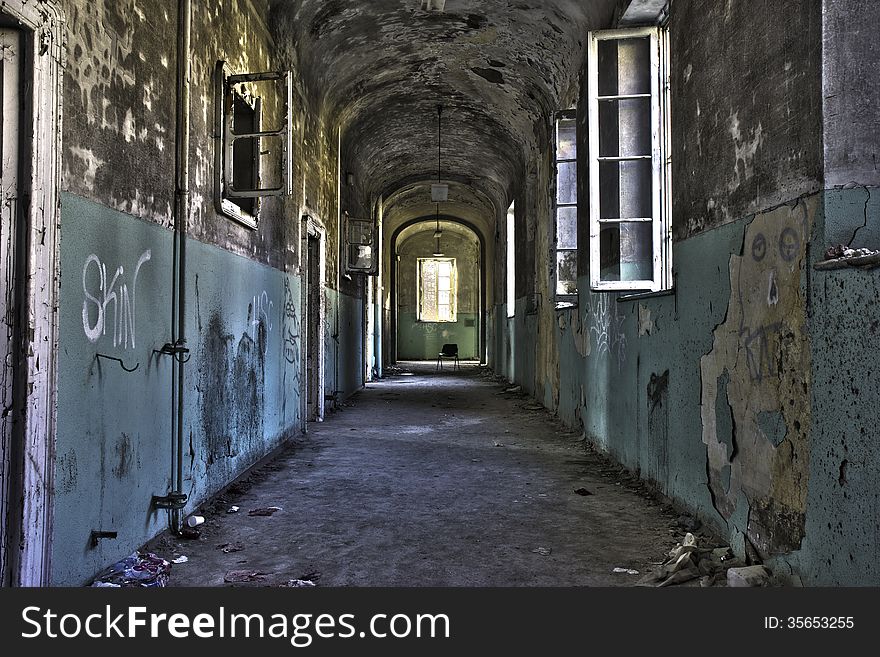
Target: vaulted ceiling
499	68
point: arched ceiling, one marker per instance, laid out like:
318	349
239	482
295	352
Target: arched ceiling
448	228
498	67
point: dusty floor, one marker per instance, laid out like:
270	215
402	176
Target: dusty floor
428	479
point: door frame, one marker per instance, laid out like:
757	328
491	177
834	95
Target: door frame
42	25
312	228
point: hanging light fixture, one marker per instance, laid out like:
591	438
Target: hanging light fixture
435	191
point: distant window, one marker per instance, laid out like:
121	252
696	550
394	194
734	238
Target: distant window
243	145
511	260
437	290
566	206
630	167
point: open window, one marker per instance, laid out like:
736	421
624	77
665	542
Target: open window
437	290
630	172
566	207
251	161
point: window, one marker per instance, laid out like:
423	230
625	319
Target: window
630	207
566	204
511	260
242	145
437	290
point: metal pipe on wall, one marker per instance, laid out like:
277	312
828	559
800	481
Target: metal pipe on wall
182	209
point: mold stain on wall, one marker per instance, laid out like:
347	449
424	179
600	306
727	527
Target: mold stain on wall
755	407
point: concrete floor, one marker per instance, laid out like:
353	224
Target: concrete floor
428	479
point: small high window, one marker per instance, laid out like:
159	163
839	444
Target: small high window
630	168
437	290
251	162
566	205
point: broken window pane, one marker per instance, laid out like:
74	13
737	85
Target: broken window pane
566	272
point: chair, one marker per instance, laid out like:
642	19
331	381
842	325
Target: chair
448	351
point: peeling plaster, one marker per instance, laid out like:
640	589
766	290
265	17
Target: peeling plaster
764	350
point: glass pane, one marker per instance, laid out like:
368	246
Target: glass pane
566	182
624	66
625	127
360	257
626	189
360	232
566	139
626	252
566	228
566	272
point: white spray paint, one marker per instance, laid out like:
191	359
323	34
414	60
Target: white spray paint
117	292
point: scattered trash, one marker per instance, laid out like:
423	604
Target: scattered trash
513	389
688	562
748	576
267	511
195	521
476	460
233	509
136	570
689	524
189	533
498	443
840	256
628	571
236	576
583	492
228	548
544	552
299	584
180	559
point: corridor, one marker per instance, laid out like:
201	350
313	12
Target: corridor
431	479
233	229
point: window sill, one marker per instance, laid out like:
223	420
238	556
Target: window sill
646	295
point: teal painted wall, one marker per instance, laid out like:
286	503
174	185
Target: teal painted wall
113	440
423	340
704	392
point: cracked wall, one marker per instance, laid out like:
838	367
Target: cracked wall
755	406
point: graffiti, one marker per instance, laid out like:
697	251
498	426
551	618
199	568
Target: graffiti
757	347
789	244
291	329
260	315
759	247
115	291
606	327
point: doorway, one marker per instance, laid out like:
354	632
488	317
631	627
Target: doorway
313	304
30	95
11	297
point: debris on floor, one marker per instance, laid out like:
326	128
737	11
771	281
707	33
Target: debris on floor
191	533
513	389
228	548
498	443
233	509
136	570
195	521
180	559
583	492
544	552
748	576
299	584
266	511
238	576
628	571
688	562
840	256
